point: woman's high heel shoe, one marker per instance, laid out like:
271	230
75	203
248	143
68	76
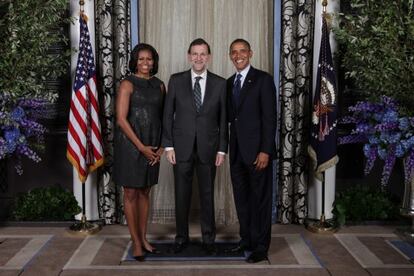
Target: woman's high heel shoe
154	251
139	258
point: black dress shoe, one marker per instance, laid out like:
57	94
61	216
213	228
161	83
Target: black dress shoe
237	249
210	249
257	256
178	247
154	251
139	258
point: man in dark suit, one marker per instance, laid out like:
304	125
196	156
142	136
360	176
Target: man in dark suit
252	116
195	136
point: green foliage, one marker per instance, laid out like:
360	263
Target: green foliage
26	60
52	203
362	204
378	48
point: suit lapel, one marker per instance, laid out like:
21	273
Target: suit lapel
230	98
188	87
248	82
208	91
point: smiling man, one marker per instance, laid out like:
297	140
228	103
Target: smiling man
195	137
252	116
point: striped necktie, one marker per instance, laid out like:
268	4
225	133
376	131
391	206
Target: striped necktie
197	93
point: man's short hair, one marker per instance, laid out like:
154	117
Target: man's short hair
198	41
240	40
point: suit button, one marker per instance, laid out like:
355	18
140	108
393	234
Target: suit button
235	119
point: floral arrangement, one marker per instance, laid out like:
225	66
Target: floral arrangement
385	133
29	65
21	133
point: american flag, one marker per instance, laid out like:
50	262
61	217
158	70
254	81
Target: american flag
323	129
84	148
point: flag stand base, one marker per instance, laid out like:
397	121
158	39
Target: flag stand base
322	226
84	227
406	234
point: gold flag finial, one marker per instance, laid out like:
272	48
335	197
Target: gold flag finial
81	4
324	4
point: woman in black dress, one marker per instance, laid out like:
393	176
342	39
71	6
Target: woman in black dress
137	151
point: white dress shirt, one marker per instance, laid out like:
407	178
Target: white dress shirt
202	82
243	74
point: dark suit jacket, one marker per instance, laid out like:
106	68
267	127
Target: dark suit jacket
182	124
253	122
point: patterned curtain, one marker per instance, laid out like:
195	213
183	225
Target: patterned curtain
113	49
295	90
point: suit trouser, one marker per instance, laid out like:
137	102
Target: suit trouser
183	174
252	191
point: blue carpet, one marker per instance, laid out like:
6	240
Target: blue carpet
193	252
405	248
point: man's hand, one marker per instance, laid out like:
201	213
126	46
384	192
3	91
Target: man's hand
220	159
262	160
170	154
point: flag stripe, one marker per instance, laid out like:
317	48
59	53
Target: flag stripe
76	157
78	118
76	139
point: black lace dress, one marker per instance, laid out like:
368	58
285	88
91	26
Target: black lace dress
131	168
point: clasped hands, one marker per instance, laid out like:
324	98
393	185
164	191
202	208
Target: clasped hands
153	154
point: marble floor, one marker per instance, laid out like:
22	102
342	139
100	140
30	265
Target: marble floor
355	250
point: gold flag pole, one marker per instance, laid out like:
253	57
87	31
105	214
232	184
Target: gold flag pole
83	227
322	226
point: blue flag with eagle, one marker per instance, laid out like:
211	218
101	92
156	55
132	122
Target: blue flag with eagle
323	143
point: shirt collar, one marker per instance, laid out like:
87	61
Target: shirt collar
203	75
244	72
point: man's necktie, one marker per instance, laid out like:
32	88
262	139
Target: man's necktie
197	93
236	90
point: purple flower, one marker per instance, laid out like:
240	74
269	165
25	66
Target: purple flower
382	153
389	165
403	123
352	139
386	126
25	150
17	114
411	121
3	148
390	116
20	129
390	102
409	167
12	134
373	139
399	150
385	134
370	153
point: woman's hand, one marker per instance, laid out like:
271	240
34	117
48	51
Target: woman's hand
149	153
158	152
